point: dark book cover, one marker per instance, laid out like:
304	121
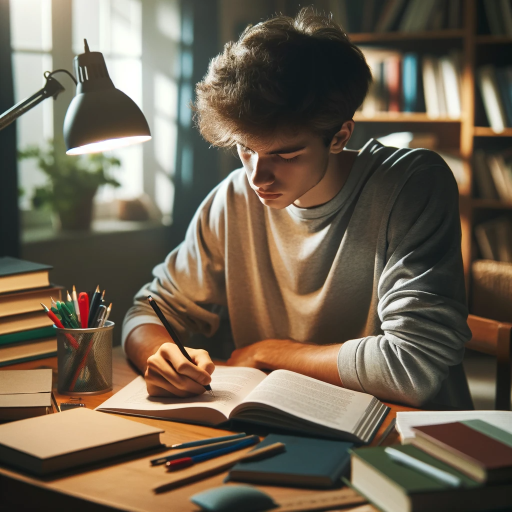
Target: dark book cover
12	266
466	442
306	462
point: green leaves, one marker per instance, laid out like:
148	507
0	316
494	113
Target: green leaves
70	178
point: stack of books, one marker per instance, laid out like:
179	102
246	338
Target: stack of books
495	86
26	332
464	465
408	82
397	15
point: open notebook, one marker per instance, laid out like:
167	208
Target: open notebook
282	399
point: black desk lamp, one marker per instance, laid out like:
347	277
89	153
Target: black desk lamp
100	117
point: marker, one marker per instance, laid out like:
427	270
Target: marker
93	306
59	324
83	304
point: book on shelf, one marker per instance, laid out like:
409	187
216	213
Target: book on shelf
25	394
406	82
17	275
494	239
28	351
27	301
486	188
499	17
26	321
406	421
491	98
306	462
484	458
394	487
30	335
57	442
283	399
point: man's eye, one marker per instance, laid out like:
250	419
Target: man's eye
288	159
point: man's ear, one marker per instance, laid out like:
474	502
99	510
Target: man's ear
340	140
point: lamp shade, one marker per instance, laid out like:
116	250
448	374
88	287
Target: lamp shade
100	117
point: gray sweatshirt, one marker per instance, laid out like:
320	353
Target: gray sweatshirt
378	268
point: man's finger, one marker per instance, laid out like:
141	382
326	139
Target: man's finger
164	368
183	366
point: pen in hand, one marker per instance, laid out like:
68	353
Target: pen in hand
173	335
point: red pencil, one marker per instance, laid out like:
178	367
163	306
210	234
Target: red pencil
59	324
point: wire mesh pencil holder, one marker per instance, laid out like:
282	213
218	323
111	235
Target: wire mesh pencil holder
84	359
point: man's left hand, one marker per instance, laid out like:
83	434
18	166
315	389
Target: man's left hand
254	356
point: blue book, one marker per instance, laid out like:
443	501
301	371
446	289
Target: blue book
410	82
504	82
307	462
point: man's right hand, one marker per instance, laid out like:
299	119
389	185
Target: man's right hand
170	373
166	370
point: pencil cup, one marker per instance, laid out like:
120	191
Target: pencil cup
84	359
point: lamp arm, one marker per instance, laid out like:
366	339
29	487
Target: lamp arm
52	88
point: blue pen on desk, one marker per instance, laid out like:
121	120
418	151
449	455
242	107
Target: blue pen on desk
197	451
185	462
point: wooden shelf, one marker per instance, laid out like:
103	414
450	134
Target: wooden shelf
491	204
380	37
485	131
402	117
488	39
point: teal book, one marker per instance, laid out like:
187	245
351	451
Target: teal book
32	334
306	462
393	487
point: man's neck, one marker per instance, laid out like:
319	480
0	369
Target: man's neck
335	177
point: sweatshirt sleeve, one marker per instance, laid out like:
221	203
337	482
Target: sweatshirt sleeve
421	291
190	282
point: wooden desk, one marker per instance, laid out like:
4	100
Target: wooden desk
126	484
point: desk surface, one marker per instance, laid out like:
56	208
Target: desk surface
128	484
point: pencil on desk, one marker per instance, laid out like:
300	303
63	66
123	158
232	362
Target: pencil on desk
211	440
257	454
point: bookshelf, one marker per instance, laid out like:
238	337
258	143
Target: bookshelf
464	134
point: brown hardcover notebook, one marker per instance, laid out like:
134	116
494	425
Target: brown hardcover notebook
24	322
25	393
64	440
18	274
27	301
479	456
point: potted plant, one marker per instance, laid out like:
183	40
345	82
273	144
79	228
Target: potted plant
72	183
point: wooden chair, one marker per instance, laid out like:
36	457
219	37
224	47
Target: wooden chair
495	338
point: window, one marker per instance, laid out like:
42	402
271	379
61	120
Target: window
140	43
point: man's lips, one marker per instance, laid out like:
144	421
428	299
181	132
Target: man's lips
267	195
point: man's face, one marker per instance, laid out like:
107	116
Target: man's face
285	170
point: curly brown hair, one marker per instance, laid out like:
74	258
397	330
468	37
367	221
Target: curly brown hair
282	74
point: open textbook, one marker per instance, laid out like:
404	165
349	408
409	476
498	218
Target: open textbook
282	399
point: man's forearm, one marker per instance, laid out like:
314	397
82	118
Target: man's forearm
143	342
317	361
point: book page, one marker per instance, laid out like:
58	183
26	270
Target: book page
311	399
406	420
230	386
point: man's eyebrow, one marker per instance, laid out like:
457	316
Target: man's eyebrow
279	151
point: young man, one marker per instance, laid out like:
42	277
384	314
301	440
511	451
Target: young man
341	265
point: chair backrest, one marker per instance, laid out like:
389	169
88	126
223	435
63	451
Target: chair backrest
495	338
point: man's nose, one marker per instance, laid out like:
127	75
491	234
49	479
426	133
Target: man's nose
262	174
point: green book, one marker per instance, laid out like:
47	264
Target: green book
490	430
393	487
32	334
306	462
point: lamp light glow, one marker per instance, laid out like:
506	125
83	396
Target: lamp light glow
107	145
